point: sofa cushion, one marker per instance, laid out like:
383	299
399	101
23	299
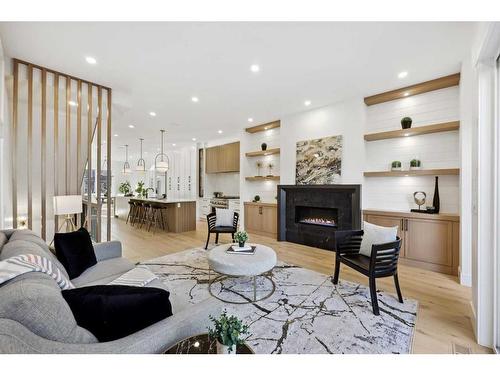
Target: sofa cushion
27	246
75	251
35	301
111	312
103	272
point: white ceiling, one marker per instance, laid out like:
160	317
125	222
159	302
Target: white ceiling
160	66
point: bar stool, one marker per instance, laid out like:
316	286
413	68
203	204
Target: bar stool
145	212
131	212
156	217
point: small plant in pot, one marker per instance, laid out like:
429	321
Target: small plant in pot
125	189
241	237
415	164
406	122
256	198
227	331
396	165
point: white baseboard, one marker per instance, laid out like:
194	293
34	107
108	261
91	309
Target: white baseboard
466	280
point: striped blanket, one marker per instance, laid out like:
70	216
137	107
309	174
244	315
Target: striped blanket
21	264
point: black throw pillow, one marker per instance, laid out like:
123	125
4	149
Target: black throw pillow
75	251
111	312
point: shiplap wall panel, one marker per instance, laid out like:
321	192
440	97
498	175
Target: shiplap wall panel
440	150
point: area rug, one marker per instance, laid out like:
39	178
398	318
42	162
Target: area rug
305	314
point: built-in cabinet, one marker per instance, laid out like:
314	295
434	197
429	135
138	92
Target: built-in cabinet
428	241
223	158
180	178
261	218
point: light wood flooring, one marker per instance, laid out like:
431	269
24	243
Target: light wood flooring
444	315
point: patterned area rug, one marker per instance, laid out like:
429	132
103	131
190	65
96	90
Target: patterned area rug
305	314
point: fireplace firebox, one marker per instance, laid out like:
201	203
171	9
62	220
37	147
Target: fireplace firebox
310	214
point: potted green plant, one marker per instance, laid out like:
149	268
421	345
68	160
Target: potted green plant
415	164
140	190
241	237
125	188
406	122
227	331
396	165
256	198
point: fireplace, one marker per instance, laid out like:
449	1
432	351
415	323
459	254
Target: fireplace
310	214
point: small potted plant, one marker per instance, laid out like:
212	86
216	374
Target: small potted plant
125	189
259	166
406	122
227	331
396	165
241	237
140	190
415	164
256	198
270	166
263	146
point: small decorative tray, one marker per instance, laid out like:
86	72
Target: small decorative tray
246	250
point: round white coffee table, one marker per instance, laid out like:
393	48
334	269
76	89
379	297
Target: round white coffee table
259	264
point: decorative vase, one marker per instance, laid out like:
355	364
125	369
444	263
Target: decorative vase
263	146
406	122
241	244
435	200
224	349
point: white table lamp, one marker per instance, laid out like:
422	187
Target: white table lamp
68	205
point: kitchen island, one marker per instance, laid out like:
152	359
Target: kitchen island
179	214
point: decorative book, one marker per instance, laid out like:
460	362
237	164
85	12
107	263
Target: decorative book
247	250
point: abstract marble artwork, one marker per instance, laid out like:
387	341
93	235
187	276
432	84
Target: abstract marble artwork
306	313
319	161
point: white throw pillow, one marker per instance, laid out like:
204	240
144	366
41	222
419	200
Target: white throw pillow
376	235
223	217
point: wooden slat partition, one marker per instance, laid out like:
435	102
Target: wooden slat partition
63	178
419	88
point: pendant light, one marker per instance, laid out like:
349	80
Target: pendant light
126	165
141	163
161	160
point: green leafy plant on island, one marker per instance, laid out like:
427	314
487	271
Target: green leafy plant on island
241	237
140	189
125	188
396	164
227	330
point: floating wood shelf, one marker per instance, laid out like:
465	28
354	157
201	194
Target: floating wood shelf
419	88
416	172
263	178
427	129
270	151
264	127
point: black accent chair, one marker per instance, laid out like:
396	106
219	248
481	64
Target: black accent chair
382	263
211	218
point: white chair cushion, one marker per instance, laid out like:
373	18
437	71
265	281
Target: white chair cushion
376	235
223	217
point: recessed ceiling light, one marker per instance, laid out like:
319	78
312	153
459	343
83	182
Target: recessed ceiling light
307	103
152	114
91	60
116	135
173	144
402	74
406	94
220	132
193	139
254	68
195	99
72	103
250	119
131	126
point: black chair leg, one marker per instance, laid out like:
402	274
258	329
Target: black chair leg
396	282
208	238
337	272
216	238
232	236
373	295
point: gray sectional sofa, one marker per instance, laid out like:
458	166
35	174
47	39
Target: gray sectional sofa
35	318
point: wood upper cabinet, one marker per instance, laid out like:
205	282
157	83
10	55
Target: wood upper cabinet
429	241
261	219
224	158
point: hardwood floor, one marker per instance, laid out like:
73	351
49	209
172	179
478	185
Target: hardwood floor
444	316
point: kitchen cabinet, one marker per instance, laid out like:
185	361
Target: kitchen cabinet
223	158
261	218
180	176
428	241
205	208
